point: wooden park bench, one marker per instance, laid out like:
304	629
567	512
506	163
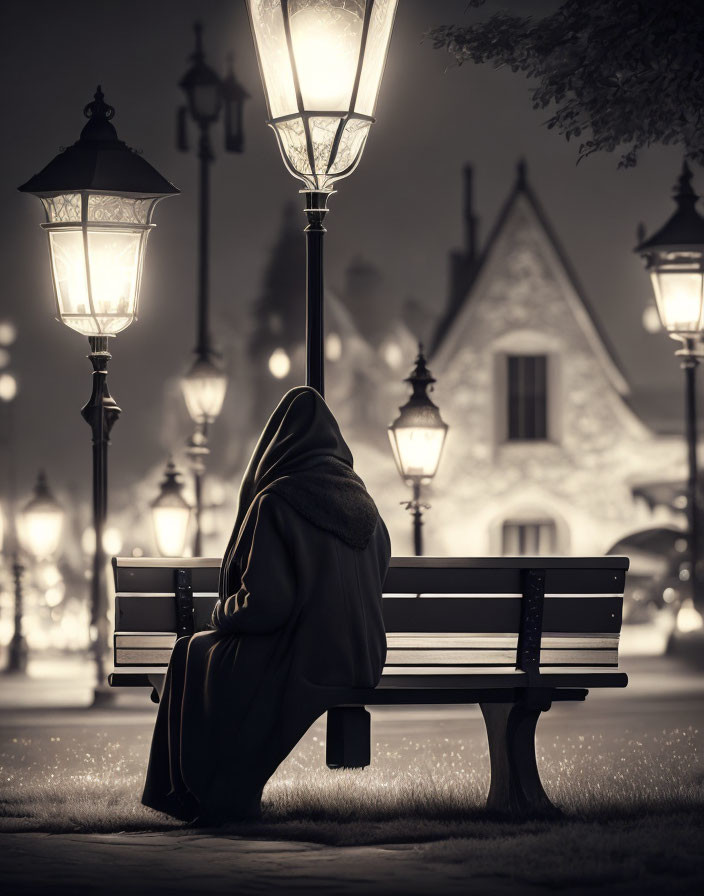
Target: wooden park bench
513	634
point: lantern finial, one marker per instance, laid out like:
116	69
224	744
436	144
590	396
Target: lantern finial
98	113
198	54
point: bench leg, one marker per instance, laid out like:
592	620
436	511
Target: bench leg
516	787
348	742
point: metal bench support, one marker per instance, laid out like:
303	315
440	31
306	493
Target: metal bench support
515	787
348	741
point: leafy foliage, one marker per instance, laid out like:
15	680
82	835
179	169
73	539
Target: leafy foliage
616	73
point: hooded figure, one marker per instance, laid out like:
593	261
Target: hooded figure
299	616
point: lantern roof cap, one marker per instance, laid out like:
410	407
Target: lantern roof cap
170	485
419	402
685	228
99	162
41	495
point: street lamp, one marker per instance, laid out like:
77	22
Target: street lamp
205	384
321	63
99	196
170	514
674	256
39	530
417	437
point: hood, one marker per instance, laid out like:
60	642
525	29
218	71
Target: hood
302	457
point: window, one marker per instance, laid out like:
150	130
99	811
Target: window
528	537
527	397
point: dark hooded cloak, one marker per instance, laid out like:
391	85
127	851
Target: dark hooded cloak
299	616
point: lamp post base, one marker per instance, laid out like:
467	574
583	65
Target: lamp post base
17	656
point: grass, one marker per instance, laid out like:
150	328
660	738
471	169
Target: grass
634	820
416	789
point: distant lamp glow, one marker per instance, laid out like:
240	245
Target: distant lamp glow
279	364
321	63
8	387
41	521
674	256
392	354
170	515
204	388
689	619
99	196
112	540
651	319
333	347
8	332
418	434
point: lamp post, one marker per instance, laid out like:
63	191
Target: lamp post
99	196
39	531
321	63
417	437
674	256
205	384
170	514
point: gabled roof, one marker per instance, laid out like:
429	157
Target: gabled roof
581	306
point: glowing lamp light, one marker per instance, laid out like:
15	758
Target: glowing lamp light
674	256
204	388
279	364
321	63
41	521
8	386
8	332
333	347
418	434
99	196
170	515
689	619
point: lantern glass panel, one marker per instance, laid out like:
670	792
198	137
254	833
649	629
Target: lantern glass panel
378	39
204	389
40	527
96	278
270	38
678	283
417	450
171	526
64	208
325	38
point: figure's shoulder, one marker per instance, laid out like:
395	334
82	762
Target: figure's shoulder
269	506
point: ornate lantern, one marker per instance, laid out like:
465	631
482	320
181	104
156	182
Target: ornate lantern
204	388
99	196
418	434
41	521
321	62
674	256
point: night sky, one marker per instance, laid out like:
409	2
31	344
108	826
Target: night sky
401	209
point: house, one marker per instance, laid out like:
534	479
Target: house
544	448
